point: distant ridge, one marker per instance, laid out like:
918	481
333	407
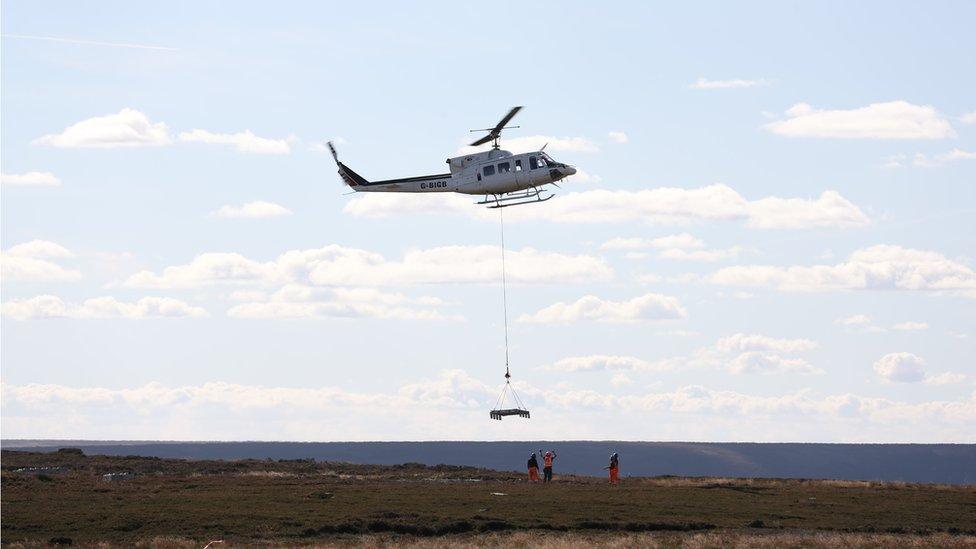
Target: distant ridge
925	463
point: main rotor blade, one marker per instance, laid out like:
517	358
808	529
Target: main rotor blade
511	114
483	140
493	133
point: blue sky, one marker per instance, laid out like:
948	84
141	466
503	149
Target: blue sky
771	237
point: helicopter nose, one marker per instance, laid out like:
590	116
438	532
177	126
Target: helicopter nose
561	172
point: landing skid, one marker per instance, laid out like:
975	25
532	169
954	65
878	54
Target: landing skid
528	196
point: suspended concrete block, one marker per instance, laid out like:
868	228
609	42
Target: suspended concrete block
499	414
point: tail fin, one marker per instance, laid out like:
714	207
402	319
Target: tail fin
350	177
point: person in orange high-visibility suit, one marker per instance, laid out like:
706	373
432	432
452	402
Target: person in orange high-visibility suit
533	469
547	465
614	468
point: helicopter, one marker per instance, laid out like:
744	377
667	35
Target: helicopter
505	179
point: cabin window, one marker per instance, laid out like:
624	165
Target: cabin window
518	165
533	163
489	170
504	167
542	161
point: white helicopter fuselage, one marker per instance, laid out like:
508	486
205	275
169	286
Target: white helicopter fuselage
492	172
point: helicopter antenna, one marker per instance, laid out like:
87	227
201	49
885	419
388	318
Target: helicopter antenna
495	133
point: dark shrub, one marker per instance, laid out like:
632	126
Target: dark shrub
459	527
595	525
128	526
495	526
379	526
349	528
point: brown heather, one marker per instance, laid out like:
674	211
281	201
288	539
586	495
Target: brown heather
99	501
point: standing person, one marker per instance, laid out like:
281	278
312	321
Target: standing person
547	465
533	469
614	468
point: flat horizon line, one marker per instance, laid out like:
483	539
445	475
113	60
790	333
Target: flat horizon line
216	441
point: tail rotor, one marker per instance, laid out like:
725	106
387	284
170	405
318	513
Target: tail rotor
332	149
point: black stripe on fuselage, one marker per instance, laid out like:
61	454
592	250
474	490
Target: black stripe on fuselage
351	177
417	179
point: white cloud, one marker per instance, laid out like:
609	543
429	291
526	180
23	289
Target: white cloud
252	210
829	210
372	295
49	306
28	262
891	120
663	205
621	243
682	241
900	367
968	118
590	307
618	137
740	295
246	295
758	354
861	323
30	179
677	241
894	161
531	143
854	320
127	128
945	378
678	247
607	363
864	324
755	362
754	354
910	368
335	265
430	409
245	142
923	161
682	278
41	249
295	301
206	269
909	326
880	267
705	84
452	264
756	342
620	380
700	255
583	176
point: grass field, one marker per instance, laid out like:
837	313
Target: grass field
173	503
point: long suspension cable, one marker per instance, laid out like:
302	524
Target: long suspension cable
501	219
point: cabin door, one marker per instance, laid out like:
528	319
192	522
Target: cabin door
521	177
